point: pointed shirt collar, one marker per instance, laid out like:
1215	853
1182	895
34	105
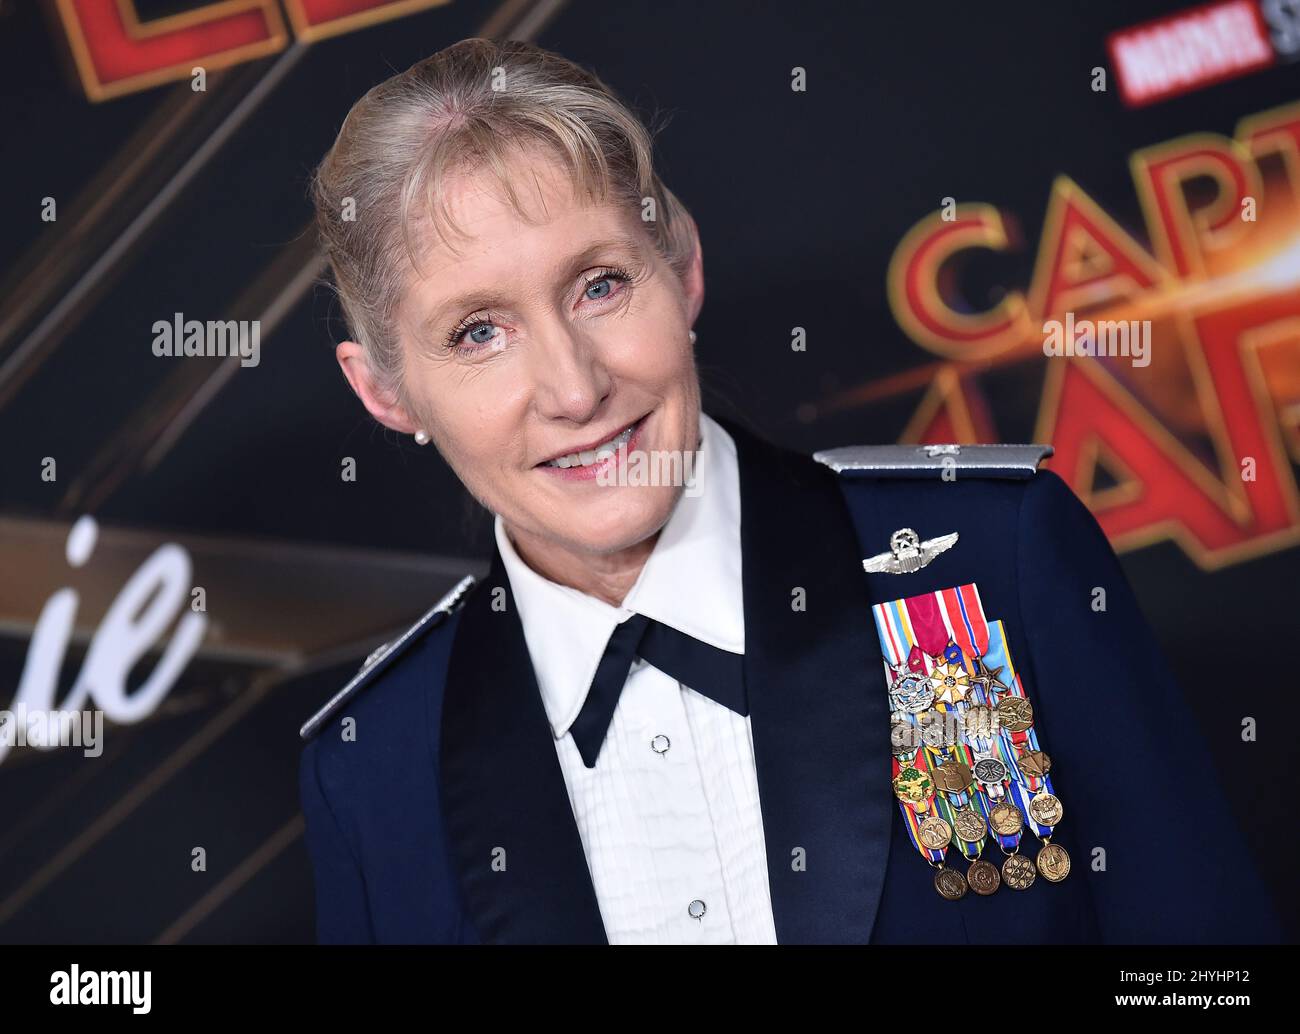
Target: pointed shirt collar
691	581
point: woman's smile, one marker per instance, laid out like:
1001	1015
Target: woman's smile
589	464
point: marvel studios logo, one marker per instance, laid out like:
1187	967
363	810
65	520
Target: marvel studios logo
1203	45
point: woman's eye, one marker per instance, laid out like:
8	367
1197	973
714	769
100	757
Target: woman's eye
473	336
602	287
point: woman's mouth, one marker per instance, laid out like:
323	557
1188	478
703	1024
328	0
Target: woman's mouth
580	466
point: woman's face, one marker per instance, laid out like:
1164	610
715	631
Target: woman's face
539	341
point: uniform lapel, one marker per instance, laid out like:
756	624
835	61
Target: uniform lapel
818	707
513	840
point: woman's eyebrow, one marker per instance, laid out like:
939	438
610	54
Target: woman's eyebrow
479	298
619	242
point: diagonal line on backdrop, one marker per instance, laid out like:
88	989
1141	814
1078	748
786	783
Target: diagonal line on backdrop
155	427
104	205
267	852
138	794
28	355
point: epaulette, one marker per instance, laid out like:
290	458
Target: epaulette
381	658
922	461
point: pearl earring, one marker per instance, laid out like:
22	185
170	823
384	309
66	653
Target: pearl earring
692	337
421	437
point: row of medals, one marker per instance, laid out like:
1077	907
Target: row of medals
914	693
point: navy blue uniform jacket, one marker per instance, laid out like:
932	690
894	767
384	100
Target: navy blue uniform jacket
453	761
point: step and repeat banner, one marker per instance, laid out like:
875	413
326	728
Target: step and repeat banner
925	222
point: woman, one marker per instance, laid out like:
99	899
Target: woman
663	716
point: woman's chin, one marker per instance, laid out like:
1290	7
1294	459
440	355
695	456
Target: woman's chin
626	516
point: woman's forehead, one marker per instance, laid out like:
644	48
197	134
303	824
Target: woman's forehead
555	226
522	187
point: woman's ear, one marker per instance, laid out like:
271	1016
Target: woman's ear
381	405
693	282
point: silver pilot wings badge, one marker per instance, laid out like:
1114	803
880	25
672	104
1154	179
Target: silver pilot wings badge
907	553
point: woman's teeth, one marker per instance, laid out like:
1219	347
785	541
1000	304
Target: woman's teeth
589	456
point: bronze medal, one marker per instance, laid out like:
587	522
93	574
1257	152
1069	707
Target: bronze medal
1053	863
983	877
1018	872
987	677
1006	820
1034	763
949	883
952	776
934	833
969	824
1046	809
1015	714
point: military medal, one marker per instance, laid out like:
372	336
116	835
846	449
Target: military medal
1035	763
911	692
991	772
949	883
983	877
969	824
1018	872
913	786
978	721
935	833
1005	820
952	776
1053	862
950	683
987	678
1045	809
1015	714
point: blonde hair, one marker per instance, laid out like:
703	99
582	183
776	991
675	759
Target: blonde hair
471	105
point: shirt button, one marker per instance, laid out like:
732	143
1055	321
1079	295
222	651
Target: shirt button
696	909
660	744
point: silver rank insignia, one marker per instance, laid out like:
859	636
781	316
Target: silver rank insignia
907	553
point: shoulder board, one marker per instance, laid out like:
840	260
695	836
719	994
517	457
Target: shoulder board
920	461
386	654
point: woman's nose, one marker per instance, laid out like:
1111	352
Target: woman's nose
569	377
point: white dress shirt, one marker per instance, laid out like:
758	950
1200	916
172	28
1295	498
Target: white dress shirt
669	816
